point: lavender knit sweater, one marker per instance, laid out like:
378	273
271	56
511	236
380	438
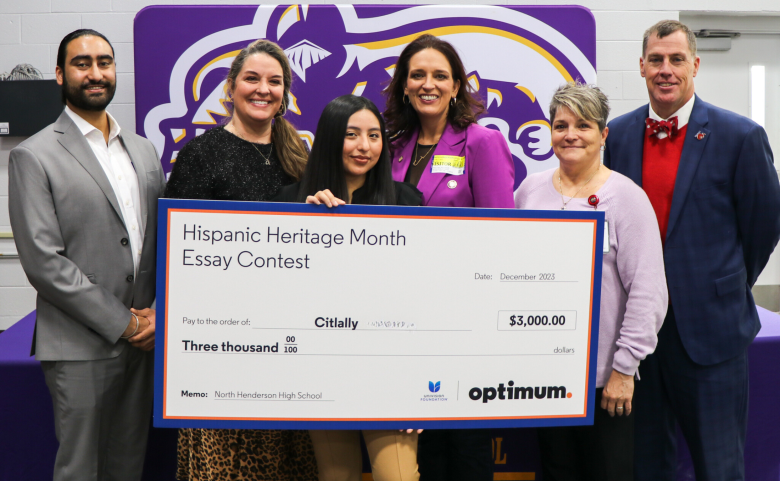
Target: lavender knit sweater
633	283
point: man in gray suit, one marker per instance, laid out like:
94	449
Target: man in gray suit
83	205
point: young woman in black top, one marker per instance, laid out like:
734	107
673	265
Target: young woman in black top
349	162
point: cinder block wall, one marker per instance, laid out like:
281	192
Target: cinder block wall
30	31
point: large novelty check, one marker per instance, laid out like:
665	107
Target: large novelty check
293	316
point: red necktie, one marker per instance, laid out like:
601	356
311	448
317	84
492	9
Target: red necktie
668	126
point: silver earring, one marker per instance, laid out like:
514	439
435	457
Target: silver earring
603	147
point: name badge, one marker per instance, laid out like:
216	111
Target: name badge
448	164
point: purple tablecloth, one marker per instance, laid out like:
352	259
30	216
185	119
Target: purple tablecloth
28	445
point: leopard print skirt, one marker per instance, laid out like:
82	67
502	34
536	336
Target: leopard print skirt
245	455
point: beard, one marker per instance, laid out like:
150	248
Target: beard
80	98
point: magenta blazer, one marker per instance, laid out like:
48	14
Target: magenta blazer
488	176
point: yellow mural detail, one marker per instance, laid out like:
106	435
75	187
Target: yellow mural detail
306	137
294	109
527	92
212	114
474	79
542	122
441	31
297	13
498	93
221	57
359	88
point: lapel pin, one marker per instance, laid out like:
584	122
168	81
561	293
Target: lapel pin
700	135
400	158
452	184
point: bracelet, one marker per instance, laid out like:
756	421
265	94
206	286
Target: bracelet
136	327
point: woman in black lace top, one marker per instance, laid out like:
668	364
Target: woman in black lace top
219	165
251	158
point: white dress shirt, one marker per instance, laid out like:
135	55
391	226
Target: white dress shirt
683	116
121	174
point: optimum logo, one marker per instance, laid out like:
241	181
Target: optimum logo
510	392
433	387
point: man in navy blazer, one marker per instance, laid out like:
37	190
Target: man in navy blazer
710	176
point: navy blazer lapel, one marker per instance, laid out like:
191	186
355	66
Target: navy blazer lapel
74	142
693	148
635	145
140	171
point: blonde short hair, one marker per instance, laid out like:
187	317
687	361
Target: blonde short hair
585	101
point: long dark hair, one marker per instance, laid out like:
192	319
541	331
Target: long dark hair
287	143
325	169
401	117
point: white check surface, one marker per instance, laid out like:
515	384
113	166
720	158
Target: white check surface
364	332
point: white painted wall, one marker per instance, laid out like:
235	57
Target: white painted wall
30	31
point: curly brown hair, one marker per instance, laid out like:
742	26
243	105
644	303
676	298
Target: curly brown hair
401	118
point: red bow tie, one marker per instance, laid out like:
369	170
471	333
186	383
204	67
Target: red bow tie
668	126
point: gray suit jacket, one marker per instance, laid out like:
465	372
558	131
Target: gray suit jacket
73	243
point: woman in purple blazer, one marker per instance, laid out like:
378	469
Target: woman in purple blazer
437	144
438	147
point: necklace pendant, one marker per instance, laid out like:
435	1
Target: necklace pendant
267	162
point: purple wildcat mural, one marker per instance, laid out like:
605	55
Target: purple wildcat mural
516	57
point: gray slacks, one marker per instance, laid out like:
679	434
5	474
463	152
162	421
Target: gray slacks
102	411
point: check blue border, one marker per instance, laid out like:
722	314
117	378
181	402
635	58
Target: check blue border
165	205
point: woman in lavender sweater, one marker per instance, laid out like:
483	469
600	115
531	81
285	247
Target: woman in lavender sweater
633	286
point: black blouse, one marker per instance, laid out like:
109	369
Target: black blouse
218	165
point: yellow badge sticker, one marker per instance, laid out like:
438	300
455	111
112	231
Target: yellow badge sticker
448	164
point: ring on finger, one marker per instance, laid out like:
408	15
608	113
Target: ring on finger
619	408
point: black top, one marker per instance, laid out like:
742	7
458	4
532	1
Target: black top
405	194
218	165
416	171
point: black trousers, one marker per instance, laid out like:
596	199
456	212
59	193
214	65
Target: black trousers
602	452
455	455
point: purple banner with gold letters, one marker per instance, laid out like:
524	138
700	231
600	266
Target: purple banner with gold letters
515	56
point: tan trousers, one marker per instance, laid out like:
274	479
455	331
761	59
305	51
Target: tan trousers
393	455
